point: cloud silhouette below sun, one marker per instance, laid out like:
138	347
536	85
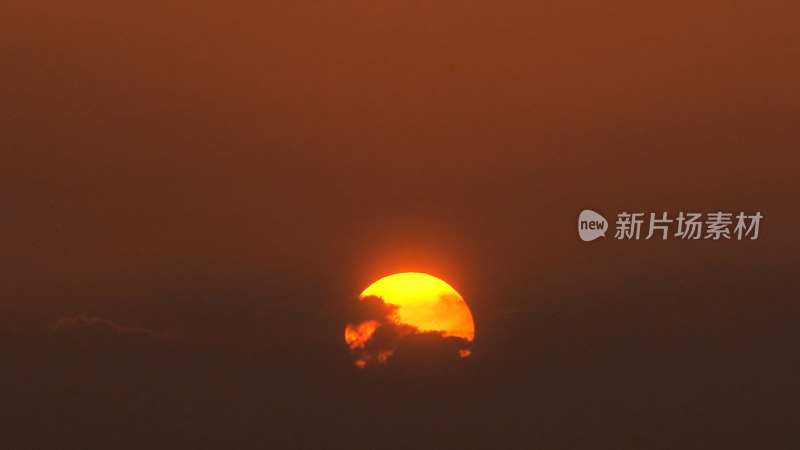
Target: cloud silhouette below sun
377	335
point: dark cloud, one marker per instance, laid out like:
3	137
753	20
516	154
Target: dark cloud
95	326
429	348
85	331
369	308
375	338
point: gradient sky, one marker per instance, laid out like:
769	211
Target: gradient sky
227	175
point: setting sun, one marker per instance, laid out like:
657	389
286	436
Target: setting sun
425	302
418	302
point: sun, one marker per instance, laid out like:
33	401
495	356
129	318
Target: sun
421	302
425	302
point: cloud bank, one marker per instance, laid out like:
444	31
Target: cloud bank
375	336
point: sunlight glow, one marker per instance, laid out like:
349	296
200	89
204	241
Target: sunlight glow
425	302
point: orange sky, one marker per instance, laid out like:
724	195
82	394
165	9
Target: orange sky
230	172
459	138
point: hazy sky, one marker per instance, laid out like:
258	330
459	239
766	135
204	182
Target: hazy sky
232	174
